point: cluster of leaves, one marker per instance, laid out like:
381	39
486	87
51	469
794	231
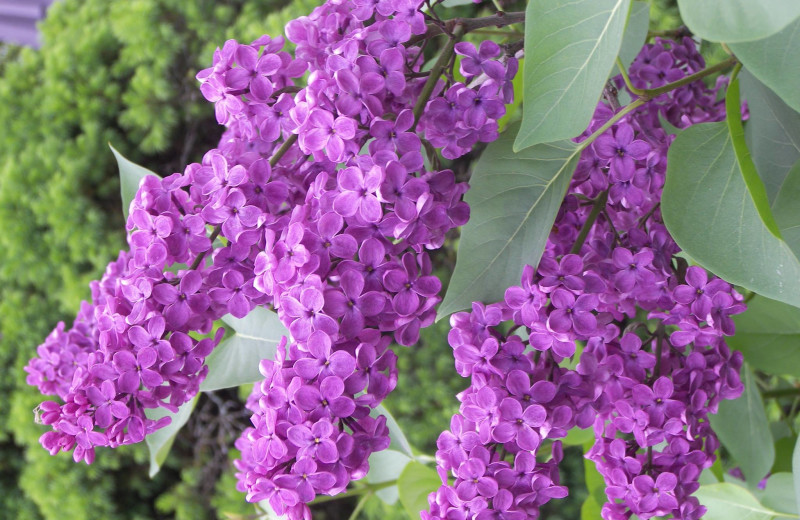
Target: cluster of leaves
109	71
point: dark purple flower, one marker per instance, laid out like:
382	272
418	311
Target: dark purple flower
621	150
571	313
656	496
352	304
394	135
328	134
633	268
409	286
327	400
107	406
477	61
315	442
183	300
324	362
566	273
472	473
305	480
307	314
134	371
358	193
518	425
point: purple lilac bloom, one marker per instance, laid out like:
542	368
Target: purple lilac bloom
646	393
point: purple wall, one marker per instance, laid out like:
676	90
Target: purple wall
18	19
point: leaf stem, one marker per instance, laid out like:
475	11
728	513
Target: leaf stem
498	32
643	220
660	333
652	93
597	207
627	79
735	73
360	505
670	33
608	124
781	392
501	19
199	258
278	155
436	72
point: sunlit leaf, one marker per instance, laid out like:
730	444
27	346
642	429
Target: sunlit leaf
235	360
772	132
416	482
775	61
130	175
570	48
160	441
768	335
513	198
742	427
709	212
732	21
726	501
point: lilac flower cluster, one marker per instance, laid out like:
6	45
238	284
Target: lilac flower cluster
347	269
665	61
652	363
316	203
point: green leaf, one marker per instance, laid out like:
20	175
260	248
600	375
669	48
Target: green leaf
768	335
160	441
570	47
667	126
635	32
595	484
578	437
786	209
130	175
775	61
710	214
727	501
796	471
780	430
416	482
772	133
399	440
590	509
755	186
783	455
455	3
737	20
235	360
707	477
717	469
267	513
779	493
386	466
513	198
742	428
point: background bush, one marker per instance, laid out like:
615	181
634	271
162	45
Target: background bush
109	71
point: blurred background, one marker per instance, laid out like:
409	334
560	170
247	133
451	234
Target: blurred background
94	72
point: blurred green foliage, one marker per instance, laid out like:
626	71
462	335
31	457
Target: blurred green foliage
122	72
